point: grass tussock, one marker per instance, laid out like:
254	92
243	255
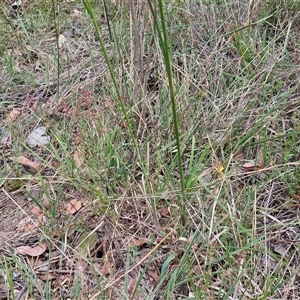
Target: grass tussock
166	163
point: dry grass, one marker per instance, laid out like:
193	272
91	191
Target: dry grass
235	74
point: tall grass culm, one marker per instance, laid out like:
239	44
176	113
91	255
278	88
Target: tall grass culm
163	37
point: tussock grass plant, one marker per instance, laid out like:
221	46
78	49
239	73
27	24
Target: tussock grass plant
174	125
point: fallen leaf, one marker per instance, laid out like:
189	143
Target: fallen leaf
206	175
36	65
240	155
73	206
77	13
132	284
252	167
138	242
42	219
29	227
174	267
36	210
35	251
153	275
105	270
165	212
49	276
39	213
13	115
78	158
27	162
46	202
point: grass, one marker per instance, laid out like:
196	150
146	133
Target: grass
175	128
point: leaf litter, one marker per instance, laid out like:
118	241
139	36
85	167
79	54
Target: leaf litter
130	223
32	251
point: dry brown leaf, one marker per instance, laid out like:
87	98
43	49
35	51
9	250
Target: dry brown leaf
29	227
105	270
77	13
252	167
153	275
78	158
132	284
240	155
27	162
37	65
49	276
13	115
165	212
40	215
36	210
73	206
46	202
42	219
35	251
138	242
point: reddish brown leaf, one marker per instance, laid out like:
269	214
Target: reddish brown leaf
40	215
46	202
41	218
154	275
49	276
132	284
165	212
138	242
37	65
105	270
13	115
36	210
249	166
174	267
29	227
77	13
27	162
240	155
73	206
35	251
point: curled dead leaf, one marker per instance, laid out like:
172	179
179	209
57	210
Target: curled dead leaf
138	242
36	210
77	13
132	284
78	158
165	212
249	166
27	162
29	227
13	115
105	270
46	202
154	275
35	251
240	155
73	206
49	276
39	213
